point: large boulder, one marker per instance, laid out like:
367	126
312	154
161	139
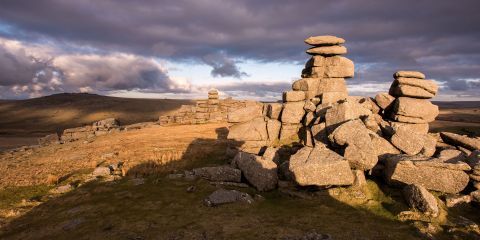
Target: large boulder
219	174
325	40
331	85
383	148
418	197
460	140
408	141
251	111
339	67
359	150
49	139
412	110
413	87
342	112
424	171
327	50
320	166
260	172
292	112
253	130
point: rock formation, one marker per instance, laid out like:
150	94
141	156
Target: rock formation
336	138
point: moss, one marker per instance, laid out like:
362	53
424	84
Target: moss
13	195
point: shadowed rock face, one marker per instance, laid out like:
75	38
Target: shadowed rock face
260	172
418	197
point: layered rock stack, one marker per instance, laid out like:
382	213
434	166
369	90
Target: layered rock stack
210	110
334	139
408	111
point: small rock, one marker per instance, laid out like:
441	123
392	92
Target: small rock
454	200
222	196
191	189
101	172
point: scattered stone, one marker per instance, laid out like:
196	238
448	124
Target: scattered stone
324	40
459	140
191	189
62	189
222	196
219	174
320	166
260	172
418	197
101	172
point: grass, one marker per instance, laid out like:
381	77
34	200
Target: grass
13	195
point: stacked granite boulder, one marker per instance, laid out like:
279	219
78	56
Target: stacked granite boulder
408	110
320	136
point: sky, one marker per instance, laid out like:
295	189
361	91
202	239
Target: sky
247	49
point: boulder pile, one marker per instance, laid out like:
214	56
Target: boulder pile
327	138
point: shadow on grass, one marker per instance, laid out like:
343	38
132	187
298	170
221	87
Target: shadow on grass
161	208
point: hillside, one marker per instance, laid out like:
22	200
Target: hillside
22	121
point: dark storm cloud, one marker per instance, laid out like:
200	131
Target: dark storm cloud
223	66
437	37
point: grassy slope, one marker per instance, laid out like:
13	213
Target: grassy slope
39	116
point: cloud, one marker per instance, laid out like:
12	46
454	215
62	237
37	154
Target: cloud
439	38
23	73
223	66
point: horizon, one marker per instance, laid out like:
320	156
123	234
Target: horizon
179	50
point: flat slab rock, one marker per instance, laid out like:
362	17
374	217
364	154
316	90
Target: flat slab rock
413	87
245	114
324	40
460	140
222	196
428	172
320	166
409	74
219	173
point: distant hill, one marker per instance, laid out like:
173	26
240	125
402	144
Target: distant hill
39	116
